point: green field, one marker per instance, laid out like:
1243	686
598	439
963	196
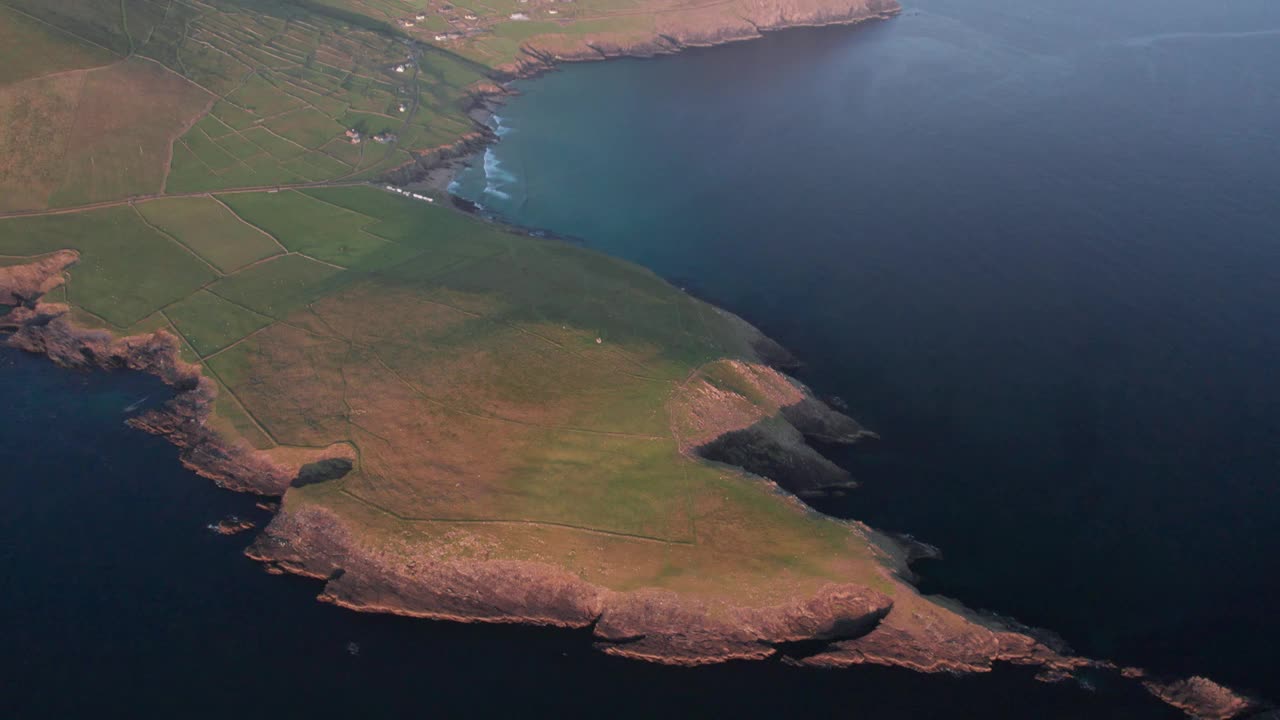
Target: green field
210	323
286	80
30	48
127	270
278	286
210	230
311	227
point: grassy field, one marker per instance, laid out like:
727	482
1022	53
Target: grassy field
210	323
260	94
30	48
210	230
311	227
278	286
86	136
285	80
127	270
511	389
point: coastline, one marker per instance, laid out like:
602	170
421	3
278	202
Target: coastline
434	170
212	456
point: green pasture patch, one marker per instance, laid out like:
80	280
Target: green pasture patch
211	323
29	48
210	230
126	272
307	225
278	286
259	96
306	126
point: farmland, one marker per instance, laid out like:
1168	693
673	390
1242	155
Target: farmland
209	229
30	48
186	97
484	377
152	97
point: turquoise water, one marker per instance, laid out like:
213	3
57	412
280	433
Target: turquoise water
1035	245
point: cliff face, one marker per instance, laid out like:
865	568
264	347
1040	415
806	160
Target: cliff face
23	285
653	625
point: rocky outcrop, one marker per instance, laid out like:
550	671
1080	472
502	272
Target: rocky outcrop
655	625
23	285
443	160
1198	696
775	449
232	526
316	543
750	416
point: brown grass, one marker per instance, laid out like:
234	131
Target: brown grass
127	119
37	116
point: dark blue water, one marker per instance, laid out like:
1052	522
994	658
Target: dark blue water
1035	244
118	601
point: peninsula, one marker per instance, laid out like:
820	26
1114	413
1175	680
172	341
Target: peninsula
461	421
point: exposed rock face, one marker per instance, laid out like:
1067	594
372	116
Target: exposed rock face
777	450
653	625
751	416
23	285
233	526
662	626
316	543
1198	696
443	157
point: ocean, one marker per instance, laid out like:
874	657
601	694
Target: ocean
1034	245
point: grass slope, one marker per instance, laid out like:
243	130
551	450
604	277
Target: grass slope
505	389
211	230
30	48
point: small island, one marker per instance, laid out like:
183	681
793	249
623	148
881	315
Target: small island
461	421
